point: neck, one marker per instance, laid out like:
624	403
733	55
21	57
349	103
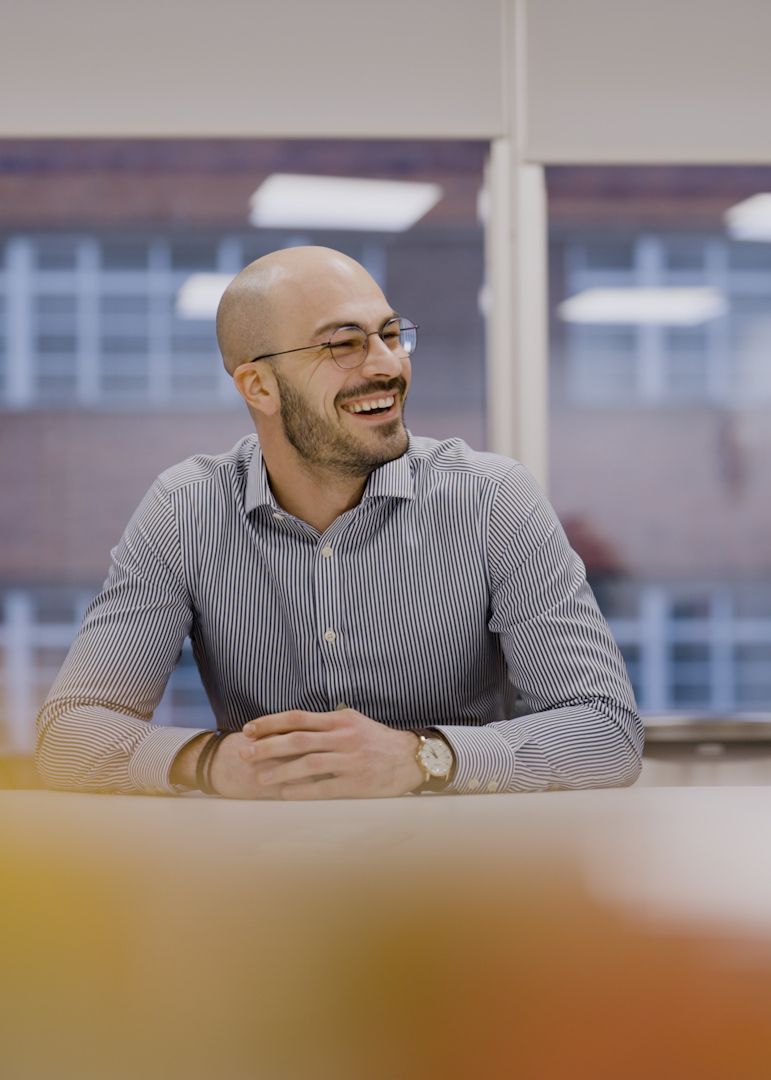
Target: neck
312	493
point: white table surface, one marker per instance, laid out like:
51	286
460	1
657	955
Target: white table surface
311	937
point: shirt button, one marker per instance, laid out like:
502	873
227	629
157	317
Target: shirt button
278	517
473	783
326	552
492	786
342	705
330	635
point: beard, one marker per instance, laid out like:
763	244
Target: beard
323	444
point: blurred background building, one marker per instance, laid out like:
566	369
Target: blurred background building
591	276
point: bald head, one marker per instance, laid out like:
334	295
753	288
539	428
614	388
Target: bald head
261	304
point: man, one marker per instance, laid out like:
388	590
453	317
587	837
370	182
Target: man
365	606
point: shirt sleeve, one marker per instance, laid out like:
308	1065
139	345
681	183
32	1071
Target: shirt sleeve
581	728
94	732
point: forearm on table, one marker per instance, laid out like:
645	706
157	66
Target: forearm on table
578	746
87	747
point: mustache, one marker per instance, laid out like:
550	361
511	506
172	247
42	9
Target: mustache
395	386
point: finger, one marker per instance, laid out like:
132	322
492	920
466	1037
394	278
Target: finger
303	768
283	722
336	787
295	744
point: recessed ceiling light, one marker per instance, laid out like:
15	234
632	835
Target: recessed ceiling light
199	296
668	307
331	202
750	219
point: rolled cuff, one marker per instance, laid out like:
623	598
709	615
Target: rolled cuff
484	761
149	767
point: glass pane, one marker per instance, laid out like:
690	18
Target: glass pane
684	254
194	255
52	606
132	306
55	304
660	429
54	253
124	253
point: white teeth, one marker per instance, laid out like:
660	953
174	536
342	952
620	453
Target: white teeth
368	406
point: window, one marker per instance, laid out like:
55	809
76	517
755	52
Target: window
659	426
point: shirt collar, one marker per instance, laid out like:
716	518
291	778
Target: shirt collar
392	480
258	491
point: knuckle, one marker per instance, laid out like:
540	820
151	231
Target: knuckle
298	742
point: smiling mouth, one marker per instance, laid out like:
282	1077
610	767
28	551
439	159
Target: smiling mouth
377	409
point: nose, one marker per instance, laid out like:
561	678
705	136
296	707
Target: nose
382	360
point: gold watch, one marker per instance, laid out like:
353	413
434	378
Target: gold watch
436	759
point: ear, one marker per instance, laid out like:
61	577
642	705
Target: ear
257	385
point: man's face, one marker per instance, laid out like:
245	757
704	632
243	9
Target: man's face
316	395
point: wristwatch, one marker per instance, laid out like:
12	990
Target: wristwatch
435	757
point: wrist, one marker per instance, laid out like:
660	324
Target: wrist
183	767
415	775
436	760
203	765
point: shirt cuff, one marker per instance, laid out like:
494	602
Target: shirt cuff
484	761
149	766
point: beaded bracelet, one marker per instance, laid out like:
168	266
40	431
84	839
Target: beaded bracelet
204	763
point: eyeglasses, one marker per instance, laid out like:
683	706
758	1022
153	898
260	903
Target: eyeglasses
349	345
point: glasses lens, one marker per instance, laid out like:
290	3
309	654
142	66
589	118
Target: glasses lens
348	346
407	334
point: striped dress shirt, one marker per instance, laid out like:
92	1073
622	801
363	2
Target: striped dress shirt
449	597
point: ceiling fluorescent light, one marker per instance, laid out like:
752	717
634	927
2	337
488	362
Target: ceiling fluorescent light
331	202
667	307
199	296
750	219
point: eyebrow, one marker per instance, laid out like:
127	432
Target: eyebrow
326	328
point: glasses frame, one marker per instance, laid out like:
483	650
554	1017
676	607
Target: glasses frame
351	326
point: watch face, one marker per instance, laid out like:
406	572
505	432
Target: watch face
436	757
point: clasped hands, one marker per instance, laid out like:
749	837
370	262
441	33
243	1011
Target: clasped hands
307	755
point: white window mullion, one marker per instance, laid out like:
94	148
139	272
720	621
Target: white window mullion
720	387
655	640
374	259
649	264
88	321
722	635
160	291
19	679
229	261
229	255
19	345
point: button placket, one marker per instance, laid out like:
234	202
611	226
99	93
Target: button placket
331	582
327	587
325	568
